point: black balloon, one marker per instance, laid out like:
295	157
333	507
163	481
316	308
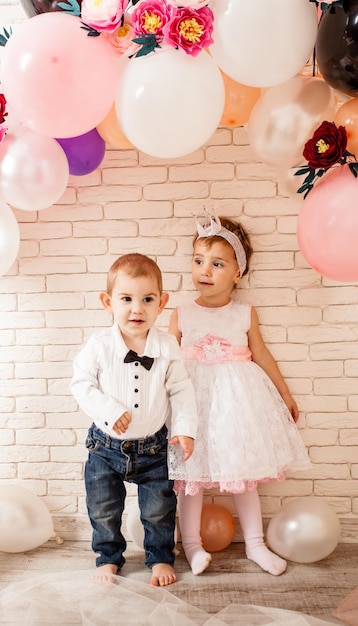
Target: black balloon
35	7
337	47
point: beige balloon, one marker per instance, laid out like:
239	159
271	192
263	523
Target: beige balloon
286	116
304	530
111	132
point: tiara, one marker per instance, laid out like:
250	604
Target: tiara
212	228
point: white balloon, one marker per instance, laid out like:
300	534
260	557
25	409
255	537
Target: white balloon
34	169
9	238
25	522
261	43
285	117
169	103
304	530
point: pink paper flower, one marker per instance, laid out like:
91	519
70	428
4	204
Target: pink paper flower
190	29
193	4
149	17
122	38
103	15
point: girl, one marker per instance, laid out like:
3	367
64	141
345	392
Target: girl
247	432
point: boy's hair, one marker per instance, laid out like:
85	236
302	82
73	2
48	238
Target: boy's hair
240	233
134	264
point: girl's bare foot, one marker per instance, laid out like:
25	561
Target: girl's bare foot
105	573
162	575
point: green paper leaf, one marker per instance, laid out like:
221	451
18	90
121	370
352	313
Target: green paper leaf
304	187
311	176
91	32
302	170
148	44
71	7
353	168
5	37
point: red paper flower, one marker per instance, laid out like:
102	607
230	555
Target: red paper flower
190	29
3	112
326	147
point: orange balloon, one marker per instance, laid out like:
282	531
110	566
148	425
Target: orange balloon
347	116
239	102
111	132
217	527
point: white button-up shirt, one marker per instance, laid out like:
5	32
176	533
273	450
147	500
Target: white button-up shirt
105	387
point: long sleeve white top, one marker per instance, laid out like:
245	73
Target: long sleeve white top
105	387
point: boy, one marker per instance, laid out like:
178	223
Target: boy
131	398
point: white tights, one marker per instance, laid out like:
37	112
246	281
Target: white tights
248	508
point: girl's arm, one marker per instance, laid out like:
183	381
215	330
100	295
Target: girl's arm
263	357
174	326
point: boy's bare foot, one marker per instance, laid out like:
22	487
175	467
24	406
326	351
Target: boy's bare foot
162	575
105	573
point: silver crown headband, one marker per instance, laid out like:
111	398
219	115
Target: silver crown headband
212	227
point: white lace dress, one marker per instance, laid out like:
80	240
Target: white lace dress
246	434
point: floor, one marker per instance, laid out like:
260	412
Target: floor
314	589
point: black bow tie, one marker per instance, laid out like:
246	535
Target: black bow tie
132	356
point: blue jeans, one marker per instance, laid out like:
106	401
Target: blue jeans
110	463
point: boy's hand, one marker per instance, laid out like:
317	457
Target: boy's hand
122	423
187	443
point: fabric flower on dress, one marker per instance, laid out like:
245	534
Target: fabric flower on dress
211	348
103	15
190	29
326	148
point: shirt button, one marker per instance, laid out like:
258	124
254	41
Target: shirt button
136	376
136	406
106	423
136	391
136	364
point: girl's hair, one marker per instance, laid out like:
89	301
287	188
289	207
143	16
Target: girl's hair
134	265
240	233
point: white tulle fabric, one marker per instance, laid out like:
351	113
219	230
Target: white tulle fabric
68	598
246	434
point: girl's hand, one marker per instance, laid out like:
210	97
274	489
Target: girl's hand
122	423
187	443
291	405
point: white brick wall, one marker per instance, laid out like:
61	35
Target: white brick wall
49	305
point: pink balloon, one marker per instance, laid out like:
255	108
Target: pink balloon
60	81
9	238
33	169
328	226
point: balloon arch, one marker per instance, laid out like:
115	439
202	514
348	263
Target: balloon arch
161	76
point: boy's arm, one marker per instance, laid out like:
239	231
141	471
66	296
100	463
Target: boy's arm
181	394
84	386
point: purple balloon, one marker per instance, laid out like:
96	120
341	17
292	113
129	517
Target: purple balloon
84	153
